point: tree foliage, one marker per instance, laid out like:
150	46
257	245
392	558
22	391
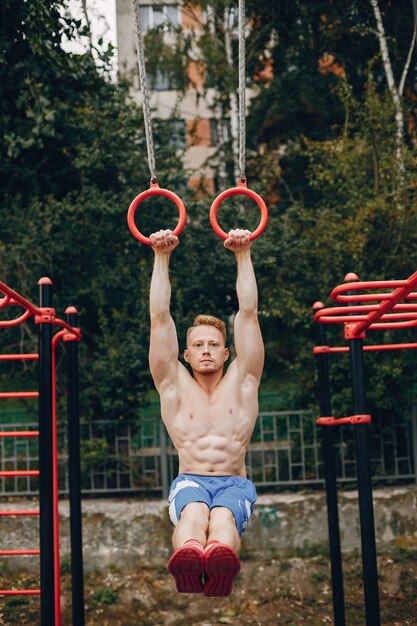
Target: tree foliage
320	149
72	159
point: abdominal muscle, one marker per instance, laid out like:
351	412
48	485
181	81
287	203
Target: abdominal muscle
212	455
210	432
211	435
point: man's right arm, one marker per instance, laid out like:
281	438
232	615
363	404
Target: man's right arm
163	350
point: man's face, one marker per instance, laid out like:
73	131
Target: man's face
206	352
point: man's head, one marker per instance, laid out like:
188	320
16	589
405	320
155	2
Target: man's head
206	350
208	320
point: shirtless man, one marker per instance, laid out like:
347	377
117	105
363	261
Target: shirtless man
210	419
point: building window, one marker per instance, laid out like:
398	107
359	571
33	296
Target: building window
225	129
172	132
159	15
160	82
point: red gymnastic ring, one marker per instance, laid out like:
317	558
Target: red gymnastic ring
243	190
155	190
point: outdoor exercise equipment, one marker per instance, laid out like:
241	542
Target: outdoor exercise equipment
45	318
241	187
243	190
365	308
154	189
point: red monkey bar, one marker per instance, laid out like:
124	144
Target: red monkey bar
394	310
352	419
365	306
368	311
41	314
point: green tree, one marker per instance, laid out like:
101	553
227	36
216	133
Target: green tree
72	159
321	148
349	223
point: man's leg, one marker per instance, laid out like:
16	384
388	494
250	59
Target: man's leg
222	527
221	563
190	535
193	524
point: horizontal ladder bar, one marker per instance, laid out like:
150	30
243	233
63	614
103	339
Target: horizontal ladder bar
17	512
20	433
19	394
14	473
20	592
19	357
19	552
369	348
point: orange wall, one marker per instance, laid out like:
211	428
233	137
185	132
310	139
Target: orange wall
191	16
198	132
196	74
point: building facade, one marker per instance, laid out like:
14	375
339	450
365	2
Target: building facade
189	116
193	118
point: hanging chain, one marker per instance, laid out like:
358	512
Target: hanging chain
143	84
242	92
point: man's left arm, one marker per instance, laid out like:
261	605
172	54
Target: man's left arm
247	333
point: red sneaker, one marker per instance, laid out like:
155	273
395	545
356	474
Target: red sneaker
221	566
187	566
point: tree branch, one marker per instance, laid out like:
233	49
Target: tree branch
408	61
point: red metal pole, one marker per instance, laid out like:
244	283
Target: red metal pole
55	483
16	298
341	292
18	320
18	512
19	552
12	473
387	305
20	592
19	394
371	348
20	433
19	357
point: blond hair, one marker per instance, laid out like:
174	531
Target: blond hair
209	320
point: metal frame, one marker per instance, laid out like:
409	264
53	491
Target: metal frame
46	433
136	453
365	308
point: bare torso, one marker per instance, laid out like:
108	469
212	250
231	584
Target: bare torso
210	432
210	417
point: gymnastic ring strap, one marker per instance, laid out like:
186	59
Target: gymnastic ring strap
240	189
155	190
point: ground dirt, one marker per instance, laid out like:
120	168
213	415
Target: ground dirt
292	589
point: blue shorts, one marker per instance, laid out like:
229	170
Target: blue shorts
233	492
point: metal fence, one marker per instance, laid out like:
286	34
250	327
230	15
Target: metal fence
285	451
